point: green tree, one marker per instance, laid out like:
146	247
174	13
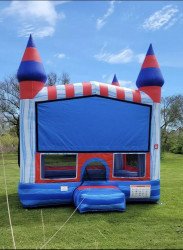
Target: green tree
9	99
55	79
9	103
65	79
171	120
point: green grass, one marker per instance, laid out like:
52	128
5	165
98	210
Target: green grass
142	226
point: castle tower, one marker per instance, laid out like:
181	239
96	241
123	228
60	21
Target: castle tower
115	81
150	79
31	74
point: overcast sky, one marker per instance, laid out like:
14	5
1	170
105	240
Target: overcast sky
92	40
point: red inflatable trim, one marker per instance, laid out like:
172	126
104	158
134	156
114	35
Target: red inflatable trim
69	89
87	88
136	96
31	54
150	62
29	89
87	187
153	91
52	92
103	90
120	93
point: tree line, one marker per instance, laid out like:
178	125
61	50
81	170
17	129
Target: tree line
171	113
172	124
9	100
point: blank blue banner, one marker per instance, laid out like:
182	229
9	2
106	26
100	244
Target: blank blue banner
92	124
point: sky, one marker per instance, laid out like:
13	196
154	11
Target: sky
93	40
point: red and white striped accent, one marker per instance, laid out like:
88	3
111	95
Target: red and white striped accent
92	88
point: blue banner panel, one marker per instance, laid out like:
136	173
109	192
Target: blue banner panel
92	124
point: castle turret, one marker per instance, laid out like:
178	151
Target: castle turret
115	81
31	74
150	79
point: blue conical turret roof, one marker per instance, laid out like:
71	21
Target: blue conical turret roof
30	42
31	67
115	81
150	73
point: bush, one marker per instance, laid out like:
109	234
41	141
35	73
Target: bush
172	141
177	146
9	143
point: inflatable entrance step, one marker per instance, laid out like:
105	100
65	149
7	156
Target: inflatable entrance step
99	198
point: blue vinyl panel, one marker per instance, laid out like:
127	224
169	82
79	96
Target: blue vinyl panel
92	124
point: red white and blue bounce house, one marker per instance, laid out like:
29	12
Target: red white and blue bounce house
90	144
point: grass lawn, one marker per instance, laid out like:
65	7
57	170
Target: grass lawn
142	226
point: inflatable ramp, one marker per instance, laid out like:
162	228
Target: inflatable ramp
99	198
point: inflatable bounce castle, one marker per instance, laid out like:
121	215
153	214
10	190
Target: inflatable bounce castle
90	144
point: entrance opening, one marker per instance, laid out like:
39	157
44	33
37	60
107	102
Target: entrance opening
95	171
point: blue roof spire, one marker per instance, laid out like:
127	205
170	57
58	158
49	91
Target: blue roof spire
31	67
31	42
150	50
150	73
115	81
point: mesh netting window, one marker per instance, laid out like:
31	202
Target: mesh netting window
129	165
56	166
